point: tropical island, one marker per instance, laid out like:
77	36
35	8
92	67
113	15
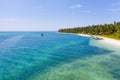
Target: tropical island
106	30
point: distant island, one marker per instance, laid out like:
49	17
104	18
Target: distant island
107	30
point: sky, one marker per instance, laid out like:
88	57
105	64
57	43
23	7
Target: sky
51	15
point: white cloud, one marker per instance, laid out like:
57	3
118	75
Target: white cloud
8	19
114	9
85	11
76	6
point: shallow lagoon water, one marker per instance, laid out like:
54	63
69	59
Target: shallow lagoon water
54	56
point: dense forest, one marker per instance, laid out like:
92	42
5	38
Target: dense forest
108	30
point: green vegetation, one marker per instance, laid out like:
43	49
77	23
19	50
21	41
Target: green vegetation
107	30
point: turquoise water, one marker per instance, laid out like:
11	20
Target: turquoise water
30	56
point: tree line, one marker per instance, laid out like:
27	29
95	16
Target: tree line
111	30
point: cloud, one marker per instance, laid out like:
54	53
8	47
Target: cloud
8	19
114	9
75	6
85	11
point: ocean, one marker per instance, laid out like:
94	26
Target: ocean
55	56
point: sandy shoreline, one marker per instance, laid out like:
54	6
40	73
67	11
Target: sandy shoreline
104	39
84	35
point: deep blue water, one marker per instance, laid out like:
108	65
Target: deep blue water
24	55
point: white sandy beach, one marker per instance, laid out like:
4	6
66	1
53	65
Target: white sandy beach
104	39
111	41
84	35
